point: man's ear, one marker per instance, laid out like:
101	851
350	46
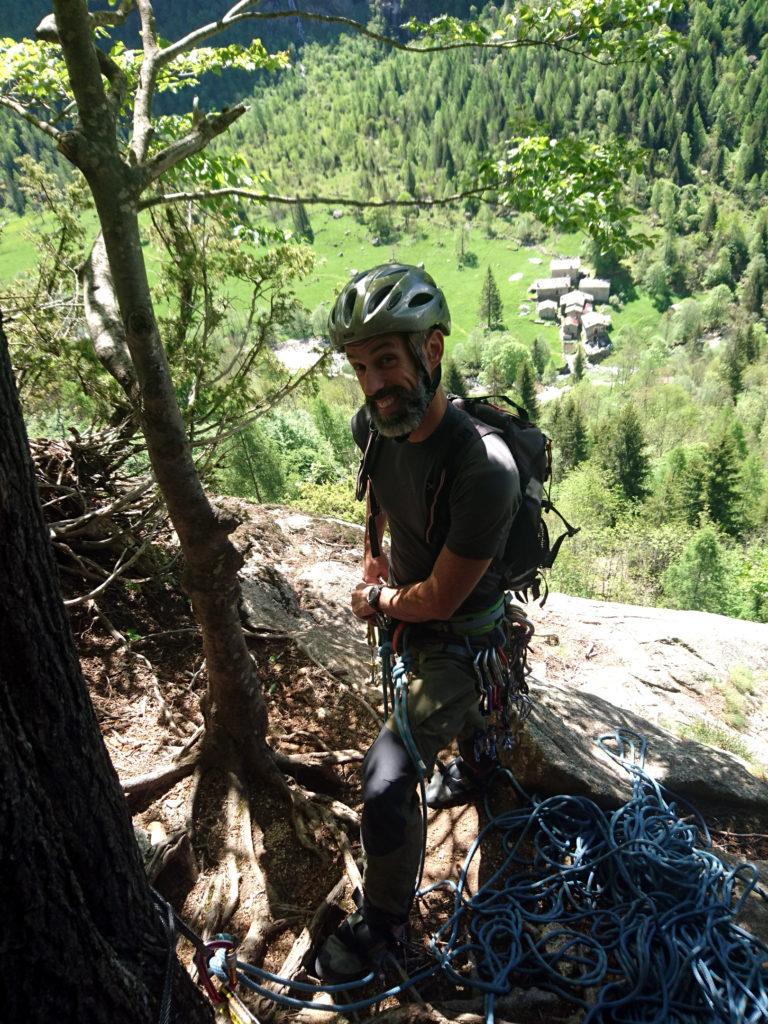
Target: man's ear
434	348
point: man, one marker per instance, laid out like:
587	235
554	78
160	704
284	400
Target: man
391	322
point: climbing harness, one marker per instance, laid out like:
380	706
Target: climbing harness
625	913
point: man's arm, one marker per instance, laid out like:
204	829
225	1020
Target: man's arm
451	581
374	569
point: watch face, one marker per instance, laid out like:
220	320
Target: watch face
373	596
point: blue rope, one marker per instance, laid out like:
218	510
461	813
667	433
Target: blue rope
629	903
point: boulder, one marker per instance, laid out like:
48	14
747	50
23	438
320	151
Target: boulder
556	752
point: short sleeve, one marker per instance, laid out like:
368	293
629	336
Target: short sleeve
484	499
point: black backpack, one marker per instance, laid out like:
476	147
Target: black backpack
528	550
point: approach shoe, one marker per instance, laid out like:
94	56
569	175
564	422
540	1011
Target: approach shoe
353	950
453	784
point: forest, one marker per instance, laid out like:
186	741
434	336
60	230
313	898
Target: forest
661	452
176	216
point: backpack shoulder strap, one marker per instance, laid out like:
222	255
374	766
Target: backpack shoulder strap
466	432
369	439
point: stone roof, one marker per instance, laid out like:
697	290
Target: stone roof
551	283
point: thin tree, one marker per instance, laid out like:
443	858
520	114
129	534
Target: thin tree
526	388
541	355
491	312
579	364
453	379
623	453
301	223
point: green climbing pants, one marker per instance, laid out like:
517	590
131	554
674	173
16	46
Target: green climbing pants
443	704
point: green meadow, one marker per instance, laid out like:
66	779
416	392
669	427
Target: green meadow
345	245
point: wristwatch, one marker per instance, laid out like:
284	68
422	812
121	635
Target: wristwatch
374	596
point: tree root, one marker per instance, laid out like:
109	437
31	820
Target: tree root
142	787
310	812
308	938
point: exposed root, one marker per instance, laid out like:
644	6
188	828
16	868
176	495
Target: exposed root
141	787
293	963
350	864
310	812
190	816
165	849
318	759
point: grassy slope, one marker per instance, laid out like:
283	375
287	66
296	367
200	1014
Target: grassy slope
344	245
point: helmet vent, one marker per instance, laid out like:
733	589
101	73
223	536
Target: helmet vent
377	299
396	296
420	300
349	307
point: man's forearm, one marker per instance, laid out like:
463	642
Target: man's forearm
417	602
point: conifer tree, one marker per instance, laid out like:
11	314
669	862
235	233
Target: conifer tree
733	366
540	355
454	381
491	311
623	452
753	285
579	365
525	383
722	482
569	434
709	217
301	224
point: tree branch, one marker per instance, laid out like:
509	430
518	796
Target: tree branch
239	13
142	107
269	197
105	324
44	126
95	111
207	128
255	414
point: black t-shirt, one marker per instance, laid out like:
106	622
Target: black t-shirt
483	498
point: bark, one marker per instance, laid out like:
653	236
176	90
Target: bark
234	710
102	316
81	937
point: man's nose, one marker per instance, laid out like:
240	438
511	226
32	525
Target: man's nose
372	382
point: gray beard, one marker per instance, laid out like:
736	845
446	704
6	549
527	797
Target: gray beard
414	403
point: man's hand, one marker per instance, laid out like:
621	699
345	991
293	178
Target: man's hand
360	606
375	570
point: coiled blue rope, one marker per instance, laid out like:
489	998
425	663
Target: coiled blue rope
628	904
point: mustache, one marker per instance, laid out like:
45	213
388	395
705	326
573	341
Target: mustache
393	391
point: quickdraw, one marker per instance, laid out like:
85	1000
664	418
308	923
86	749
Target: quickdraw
501	670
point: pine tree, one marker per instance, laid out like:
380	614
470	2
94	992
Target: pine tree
733	366
623	452
722	482
753	285
540	355
709	217
454	381
301	225
579	365
569	434
525	383
491	311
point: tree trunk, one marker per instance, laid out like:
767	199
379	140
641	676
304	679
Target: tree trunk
81	938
